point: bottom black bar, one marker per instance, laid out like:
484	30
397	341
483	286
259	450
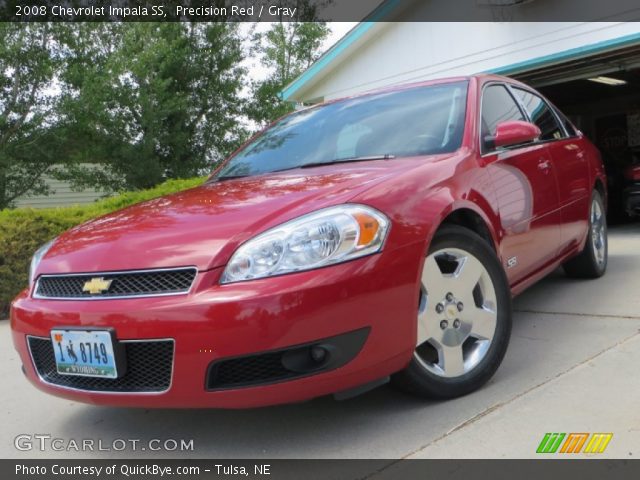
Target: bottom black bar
586	469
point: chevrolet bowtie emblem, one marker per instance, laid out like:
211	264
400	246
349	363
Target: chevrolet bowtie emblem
96	286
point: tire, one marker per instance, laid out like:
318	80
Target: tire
592	261
477	316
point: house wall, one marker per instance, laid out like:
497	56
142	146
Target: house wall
61	195
403	52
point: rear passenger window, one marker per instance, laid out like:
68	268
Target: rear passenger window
541	115
497	106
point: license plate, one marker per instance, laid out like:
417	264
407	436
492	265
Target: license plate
84	353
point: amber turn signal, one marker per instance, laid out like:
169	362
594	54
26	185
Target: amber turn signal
369	227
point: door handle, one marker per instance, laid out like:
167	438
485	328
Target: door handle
544	165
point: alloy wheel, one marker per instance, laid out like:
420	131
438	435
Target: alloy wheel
598	231
457	315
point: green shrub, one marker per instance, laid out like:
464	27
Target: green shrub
24	230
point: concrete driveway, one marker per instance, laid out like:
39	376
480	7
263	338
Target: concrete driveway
573	366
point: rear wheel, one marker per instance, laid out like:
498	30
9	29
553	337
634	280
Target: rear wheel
592	262
464	317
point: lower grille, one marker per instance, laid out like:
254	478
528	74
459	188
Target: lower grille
149	368
286	364
247	371
117	284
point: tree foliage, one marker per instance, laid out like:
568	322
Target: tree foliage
144	102
153	101
29	127
286	50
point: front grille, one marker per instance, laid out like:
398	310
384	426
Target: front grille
122	284
241	372
149	368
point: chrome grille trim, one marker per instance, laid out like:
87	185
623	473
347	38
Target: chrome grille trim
88	276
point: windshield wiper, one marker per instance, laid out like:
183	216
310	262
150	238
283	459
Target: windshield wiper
363	158
227	177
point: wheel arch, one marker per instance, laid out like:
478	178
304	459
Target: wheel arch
470	215
471	220
599	186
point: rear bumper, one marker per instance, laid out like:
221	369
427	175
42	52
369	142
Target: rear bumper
216	323
632	201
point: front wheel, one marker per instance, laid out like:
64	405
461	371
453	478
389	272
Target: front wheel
464	317
592	261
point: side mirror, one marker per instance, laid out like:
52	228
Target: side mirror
513	132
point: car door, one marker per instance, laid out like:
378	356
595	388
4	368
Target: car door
526	190
569	162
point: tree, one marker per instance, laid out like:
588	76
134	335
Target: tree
286	49
30	124
152	101
143	101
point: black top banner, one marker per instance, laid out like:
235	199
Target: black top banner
318	10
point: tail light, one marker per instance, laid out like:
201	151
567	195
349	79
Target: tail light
633	173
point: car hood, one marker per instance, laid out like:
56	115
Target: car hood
202	227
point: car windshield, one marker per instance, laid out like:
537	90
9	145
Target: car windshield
415	121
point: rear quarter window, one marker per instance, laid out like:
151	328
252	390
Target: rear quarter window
541	114
568	126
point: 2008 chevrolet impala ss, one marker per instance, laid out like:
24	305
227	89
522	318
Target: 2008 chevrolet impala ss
375	237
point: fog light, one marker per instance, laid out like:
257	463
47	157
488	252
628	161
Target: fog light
318	354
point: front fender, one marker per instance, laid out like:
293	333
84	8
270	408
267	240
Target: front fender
419	201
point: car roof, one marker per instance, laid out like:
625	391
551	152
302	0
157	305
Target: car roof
481	77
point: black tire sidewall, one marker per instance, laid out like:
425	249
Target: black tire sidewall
427	383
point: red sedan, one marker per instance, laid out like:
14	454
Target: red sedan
371	238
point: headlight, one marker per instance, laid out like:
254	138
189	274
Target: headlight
35	261
322	238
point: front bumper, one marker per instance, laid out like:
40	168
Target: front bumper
214	323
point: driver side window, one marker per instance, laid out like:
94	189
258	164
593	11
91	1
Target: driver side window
497	106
